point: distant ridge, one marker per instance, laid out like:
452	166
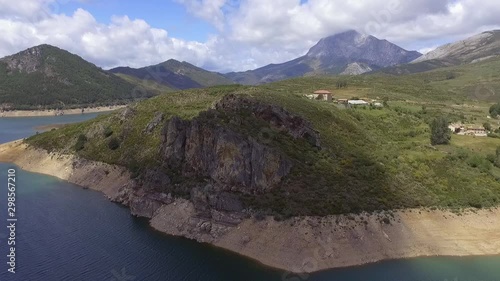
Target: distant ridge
474	49
175	75
349	53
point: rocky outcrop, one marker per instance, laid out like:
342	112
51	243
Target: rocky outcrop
277	117
157	120
233	161
356	68
220	207
126	114
28	61
211	163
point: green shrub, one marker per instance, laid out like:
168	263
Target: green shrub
450	76
413	134
491	157
80	143
114	143
462	154
108	132
476	161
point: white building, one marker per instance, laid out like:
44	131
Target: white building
357	103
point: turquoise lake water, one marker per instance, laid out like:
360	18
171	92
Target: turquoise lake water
67	233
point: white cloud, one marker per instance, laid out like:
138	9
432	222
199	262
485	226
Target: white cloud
122	42
251	33
209	10
275	31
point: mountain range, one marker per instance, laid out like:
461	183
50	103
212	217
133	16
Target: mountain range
46	76
349	53
474	49
173	75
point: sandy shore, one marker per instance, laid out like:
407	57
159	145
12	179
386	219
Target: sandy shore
298	245
40	113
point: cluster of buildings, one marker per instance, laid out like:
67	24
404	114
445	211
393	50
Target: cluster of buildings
325	95
457	128
468	130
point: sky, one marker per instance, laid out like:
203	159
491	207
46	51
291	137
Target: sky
230	35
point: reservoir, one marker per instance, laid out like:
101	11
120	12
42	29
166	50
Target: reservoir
64	232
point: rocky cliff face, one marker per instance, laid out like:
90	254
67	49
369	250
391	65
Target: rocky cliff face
216	163
232	161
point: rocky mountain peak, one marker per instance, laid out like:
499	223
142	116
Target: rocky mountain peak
344	41
27	61
349	53
354	47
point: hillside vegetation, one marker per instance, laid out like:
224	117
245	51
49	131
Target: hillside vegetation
370	159
46	77
173	74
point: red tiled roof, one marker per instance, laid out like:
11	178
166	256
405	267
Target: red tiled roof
322	92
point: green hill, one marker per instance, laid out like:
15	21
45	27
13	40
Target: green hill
150	85
174	74
283	154
48	77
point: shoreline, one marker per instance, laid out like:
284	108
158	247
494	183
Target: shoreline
306	244
45	113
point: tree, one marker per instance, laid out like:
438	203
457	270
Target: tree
385	101
495	110
487	126
440	133
341	84
497	158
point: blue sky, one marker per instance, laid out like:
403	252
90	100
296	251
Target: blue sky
230	35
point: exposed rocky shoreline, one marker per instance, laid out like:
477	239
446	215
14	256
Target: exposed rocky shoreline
303	244
40	113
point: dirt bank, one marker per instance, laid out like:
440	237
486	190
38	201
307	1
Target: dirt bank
297	245
98	176
312	244
40	113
